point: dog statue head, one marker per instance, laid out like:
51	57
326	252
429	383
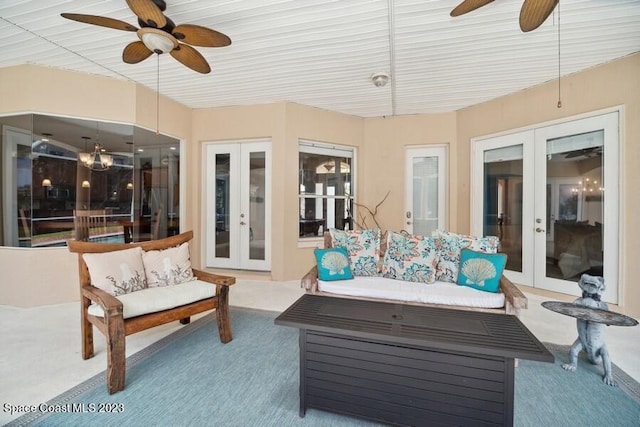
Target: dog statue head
592	286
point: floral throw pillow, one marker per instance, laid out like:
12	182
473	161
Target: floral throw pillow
117	272
168	266
363	247
449	247
410	258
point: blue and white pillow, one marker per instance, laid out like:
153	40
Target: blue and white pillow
363	247
333	264
410	258
481	270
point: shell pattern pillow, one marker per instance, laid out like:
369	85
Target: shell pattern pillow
449	247
481	270
410	258
363	247
168	266
333	264
117	272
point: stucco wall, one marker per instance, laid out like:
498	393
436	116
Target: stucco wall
381	143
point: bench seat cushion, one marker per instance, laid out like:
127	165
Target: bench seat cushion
152	300
444	293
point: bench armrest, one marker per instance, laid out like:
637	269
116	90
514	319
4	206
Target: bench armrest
309	281
110	304
515	300
216	279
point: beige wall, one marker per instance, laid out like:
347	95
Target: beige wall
609	85
381	144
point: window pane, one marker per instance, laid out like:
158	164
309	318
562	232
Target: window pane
503	201
328	178
223	176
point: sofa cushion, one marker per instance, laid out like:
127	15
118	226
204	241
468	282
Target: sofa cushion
156	299
363	247
333	264
117	272
411	258
168	267
480	270
444	293
450	245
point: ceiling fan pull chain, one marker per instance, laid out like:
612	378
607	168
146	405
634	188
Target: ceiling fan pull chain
158	95
559	99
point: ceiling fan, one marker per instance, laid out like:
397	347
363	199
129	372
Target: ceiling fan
532	14
159	34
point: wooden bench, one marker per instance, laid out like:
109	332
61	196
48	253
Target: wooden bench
514	299
115	327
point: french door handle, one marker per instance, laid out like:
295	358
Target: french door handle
539	230
243	223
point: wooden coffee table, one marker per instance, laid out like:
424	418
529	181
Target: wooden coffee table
407	364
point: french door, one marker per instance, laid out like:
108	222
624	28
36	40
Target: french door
542	192
238	210
425	189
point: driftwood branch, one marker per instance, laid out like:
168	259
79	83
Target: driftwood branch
362	223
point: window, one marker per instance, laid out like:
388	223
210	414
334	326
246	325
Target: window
326	188
45	188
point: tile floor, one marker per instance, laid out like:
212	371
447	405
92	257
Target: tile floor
40	350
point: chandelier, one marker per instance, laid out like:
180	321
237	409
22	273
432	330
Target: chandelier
97	160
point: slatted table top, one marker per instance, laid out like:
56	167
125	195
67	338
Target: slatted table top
476	332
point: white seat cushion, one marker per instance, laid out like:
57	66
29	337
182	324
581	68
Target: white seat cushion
444	293
157	299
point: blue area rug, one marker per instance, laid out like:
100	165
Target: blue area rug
190	378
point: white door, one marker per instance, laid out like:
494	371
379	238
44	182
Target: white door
541	191
238	213
426	189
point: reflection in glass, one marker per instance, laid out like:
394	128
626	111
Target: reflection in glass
46	187
575	206
425	195
325	192
503	201
223	173
257	207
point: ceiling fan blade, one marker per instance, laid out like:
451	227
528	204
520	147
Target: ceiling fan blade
468	6
100	20
534	13
191	58
135	52
148	12
200	36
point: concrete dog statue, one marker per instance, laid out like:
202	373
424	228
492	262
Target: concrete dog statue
591	334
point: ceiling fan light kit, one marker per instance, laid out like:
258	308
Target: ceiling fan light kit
157	41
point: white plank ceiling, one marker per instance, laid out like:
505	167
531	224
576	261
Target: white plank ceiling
322	53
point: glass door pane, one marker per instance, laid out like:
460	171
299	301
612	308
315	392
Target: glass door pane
425	193
503	197
222	205
257	206
575	206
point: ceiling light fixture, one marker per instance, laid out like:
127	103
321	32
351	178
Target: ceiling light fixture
380	79
97	160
